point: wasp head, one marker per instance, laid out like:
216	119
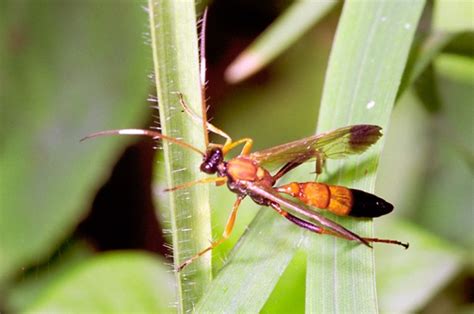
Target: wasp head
212	159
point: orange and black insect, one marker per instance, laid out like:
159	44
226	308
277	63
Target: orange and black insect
248	175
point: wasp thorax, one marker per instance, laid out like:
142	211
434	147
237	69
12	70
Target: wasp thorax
211	160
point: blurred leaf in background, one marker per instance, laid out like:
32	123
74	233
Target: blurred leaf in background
68	68
129	282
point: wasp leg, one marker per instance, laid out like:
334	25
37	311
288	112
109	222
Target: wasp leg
320	230
217	180
245	150
299	222
228	230
320	163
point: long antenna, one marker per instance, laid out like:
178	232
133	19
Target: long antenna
148	133
202	72
195	117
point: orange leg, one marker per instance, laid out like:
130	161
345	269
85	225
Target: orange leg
218	180
245	150
228	230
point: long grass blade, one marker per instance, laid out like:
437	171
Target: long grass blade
256	263
290	26
366	65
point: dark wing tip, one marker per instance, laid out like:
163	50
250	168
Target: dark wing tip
363	136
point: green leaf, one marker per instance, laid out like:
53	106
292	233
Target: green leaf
446	199
176	68
111	283
421	56
426	88
453	15
409	280
462	44
67	70
288	295
255	265
367	61
456	67
280	35
34	281
419	70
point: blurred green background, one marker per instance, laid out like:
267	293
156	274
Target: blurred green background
77	220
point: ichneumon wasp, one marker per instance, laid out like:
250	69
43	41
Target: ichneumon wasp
247	175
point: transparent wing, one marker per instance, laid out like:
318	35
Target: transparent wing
335	144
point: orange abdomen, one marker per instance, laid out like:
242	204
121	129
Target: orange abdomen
339	200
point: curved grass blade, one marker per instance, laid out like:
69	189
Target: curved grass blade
175	57
290	26
422	56
420	72
235	288
257	261
367	61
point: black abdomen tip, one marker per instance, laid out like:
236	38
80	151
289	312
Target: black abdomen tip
368	205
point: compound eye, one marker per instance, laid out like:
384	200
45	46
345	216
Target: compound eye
207	168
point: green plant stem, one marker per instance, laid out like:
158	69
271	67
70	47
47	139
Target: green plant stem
176	68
